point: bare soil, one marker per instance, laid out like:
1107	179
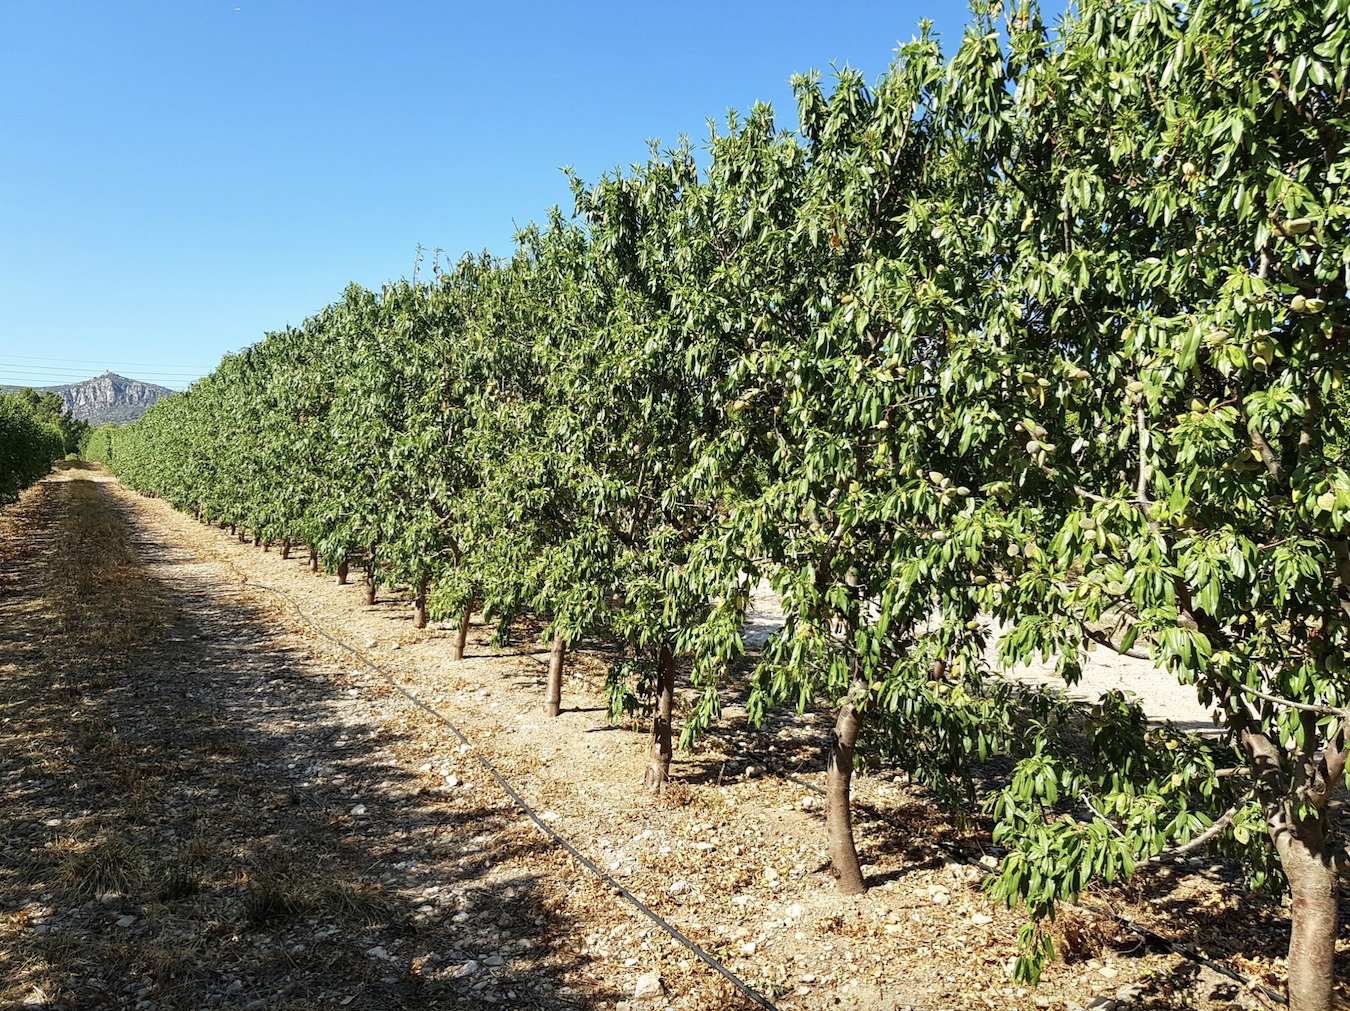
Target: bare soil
209	804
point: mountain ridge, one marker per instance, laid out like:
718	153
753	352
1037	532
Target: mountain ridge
105	398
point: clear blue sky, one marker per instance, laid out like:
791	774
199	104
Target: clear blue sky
180	177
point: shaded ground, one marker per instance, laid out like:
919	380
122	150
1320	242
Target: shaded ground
208	805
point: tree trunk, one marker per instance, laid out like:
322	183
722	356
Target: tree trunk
342	573
233	529
257	539
370	577
313	560
285	549
420	606
553	694
462	637
1313	886
659	771
838	817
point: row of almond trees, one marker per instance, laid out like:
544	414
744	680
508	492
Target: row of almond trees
1050	331
28	445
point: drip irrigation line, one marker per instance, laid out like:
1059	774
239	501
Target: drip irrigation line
520	802
955	851
674	932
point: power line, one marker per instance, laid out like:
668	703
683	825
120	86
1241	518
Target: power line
100	361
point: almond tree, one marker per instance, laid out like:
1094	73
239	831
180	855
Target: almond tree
1146	391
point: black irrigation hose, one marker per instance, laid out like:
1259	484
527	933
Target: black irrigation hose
670	929
1139	929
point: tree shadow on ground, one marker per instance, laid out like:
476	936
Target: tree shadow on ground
196	815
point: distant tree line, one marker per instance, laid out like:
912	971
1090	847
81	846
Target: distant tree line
34	431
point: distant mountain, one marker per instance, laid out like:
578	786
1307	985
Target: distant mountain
105	398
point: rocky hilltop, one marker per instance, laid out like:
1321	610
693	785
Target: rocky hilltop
106	398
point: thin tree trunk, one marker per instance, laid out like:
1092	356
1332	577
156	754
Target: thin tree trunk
553	694
286	549
342	573
462	636
658	773
838	816
370	577
257	539
313	560
1313	913
233	529
420	605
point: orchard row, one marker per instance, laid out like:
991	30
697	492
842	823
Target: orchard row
1049	331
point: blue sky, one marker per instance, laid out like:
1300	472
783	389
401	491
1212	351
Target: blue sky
181	177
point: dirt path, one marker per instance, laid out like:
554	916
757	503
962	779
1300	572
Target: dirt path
209	805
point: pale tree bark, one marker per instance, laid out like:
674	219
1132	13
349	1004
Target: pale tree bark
286	548
462	635
658	773
342	573
553	692
313	560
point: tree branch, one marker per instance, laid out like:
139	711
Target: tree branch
1102	640
1301	706
1204	837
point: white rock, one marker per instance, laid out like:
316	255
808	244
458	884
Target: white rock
649	987
359	810
452	781
679	887
748	948
981	918
126	921
467	969
795	910
378	952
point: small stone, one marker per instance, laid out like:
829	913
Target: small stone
1108	972
679	887
549	816
981	918
126	921
452	780
648	987
109	898
1130	993
938	895
467	969
795	911
378	952
748	948
235	986
358	810
493	961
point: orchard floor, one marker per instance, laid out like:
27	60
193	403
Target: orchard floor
207	804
